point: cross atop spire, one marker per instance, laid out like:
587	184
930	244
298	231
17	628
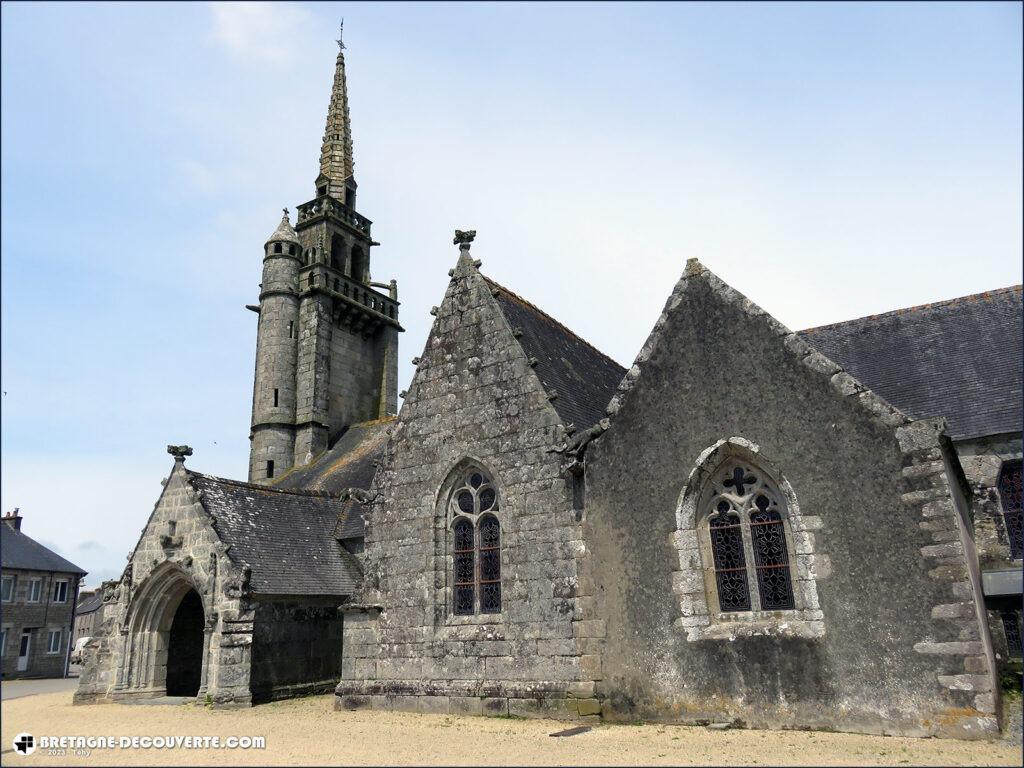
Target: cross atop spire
341	35
336	152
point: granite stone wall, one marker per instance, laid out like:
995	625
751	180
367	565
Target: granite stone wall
41	617
355	376
891	641
274	385
296	647
474	401
982	459
178	551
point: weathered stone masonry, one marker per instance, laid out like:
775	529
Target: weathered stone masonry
129	658
716	367
474	398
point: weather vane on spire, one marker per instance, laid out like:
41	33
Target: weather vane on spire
341	34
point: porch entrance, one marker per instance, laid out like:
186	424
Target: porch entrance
185	647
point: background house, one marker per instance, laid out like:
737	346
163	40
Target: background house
39	592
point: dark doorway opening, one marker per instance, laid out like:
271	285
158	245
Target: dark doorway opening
185	647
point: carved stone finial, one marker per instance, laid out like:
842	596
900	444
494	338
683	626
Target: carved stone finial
179	452
463	239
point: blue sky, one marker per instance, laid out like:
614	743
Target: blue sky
829	161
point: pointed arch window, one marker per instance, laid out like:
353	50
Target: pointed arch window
1010	496
475	545
750	552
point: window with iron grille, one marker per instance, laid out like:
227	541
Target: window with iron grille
475	545
1011	626
749	549
1010	497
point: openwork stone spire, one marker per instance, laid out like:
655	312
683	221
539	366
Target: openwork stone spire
336	154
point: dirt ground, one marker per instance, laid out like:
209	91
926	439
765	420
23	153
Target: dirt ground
309	732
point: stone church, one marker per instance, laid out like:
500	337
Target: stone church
815	529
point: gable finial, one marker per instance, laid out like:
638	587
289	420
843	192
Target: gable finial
463	239
285	210
179	452
341	35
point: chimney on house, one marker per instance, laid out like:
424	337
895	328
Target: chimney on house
13	519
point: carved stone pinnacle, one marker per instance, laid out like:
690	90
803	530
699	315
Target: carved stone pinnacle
179	452
463	239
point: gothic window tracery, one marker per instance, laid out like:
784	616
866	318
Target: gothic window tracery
1010	495
749	550
476	545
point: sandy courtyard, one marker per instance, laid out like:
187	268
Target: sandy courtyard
309	732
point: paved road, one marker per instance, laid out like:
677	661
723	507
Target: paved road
15	689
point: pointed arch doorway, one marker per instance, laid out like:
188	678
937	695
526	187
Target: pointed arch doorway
168	638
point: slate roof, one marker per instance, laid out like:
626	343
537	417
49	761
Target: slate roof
89	603
284	231
960	359
584	377
285	537
348	463
18	550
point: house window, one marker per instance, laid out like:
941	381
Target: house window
747	538
7	588
35	589
1010	496
270	468
53	641
475	545
60	591
277	247
3	642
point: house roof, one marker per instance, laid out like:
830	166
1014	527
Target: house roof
20	551
960	359
285	536
584	377
89	603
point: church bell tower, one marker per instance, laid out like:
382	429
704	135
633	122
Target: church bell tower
327	343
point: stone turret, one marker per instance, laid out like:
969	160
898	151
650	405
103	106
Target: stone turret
274	385
327	349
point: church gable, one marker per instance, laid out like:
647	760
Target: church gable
473	549
751	501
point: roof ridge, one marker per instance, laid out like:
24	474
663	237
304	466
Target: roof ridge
267	488
983	295
561	325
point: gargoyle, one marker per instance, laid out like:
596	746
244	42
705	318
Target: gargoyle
239	586
575	446
358	495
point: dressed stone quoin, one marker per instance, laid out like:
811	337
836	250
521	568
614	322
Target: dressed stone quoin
815	529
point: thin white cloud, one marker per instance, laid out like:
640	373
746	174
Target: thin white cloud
258	31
